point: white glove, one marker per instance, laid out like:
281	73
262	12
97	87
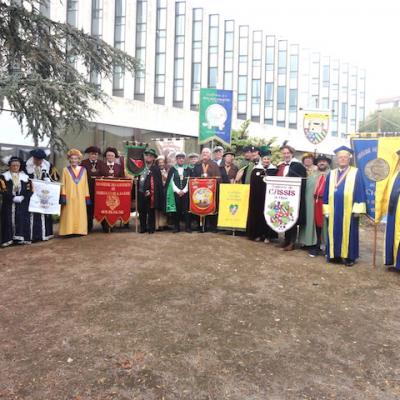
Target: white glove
326	215
47	179
18	199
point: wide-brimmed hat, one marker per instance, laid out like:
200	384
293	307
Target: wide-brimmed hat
307	155
323	157
229	152
180	154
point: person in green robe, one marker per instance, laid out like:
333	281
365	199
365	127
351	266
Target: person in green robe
311	234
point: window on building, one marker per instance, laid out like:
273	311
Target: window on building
228	54
282	80
179	59
97	32
256	76
119	43
161	45
140	51
243	71
197	46
72	19
213	39
269	80
293	85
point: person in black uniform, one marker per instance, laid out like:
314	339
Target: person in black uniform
177	192
150	193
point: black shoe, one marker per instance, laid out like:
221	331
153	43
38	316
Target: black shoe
151	231
348	262
188	230
313	252
142	231
176	230
335	260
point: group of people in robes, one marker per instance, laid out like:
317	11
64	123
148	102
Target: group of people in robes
18	225
331	202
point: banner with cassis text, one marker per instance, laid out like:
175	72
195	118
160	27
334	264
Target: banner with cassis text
112	201
202	196
282	202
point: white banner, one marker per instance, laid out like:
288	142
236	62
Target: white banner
45	198
282	202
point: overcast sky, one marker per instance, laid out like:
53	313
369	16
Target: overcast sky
363	32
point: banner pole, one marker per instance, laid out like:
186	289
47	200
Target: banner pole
136	205
375	241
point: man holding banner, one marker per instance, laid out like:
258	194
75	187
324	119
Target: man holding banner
292	168
207	168
344	201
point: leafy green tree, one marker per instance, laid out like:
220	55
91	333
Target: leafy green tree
390	121
240	138
38	78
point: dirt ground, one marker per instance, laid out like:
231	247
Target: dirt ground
201	316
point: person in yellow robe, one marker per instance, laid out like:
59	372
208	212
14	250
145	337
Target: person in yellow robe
74	197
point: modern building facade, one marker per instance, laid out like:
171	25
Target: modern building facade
182	49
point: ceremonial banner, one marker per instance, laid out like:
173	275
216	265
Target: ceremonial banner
168	148
376	160
45	198
112	200
134	163
215	115
316	126
233	206
202	193
282	202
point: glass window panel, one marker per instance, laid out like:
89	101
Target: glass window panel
269	91
242	86
228	81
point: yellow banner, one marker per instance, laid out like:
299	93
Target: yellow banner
233	206
387	148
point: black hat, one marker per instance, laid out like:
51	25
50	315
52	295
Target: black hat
246	149
14	158
265	151
229	152
323	157
112	150
92	149
254	149
38	153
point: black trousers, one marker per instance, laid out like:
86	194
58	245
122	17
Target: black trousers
90	213
182	210
147	215
291	235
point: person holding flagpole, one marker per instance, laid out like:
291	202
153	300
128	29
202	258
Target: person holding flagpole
344	201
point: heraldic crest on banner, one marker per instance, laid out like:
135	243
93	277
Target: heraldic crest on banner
316	127
135	159
202	196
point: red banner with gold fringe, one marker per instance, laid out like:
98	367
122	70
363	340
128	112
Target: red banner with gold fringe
202	195
112	200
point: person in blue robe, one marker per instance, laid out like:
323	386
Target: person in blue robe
344	200
392	234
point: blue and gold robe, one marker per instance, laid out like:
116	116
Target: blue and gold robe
344	199
392	235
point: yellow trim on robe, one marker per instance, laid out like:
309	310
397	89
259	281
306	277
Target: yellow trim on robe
325	209
397	220
331	210
359	208
73	219
348	209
